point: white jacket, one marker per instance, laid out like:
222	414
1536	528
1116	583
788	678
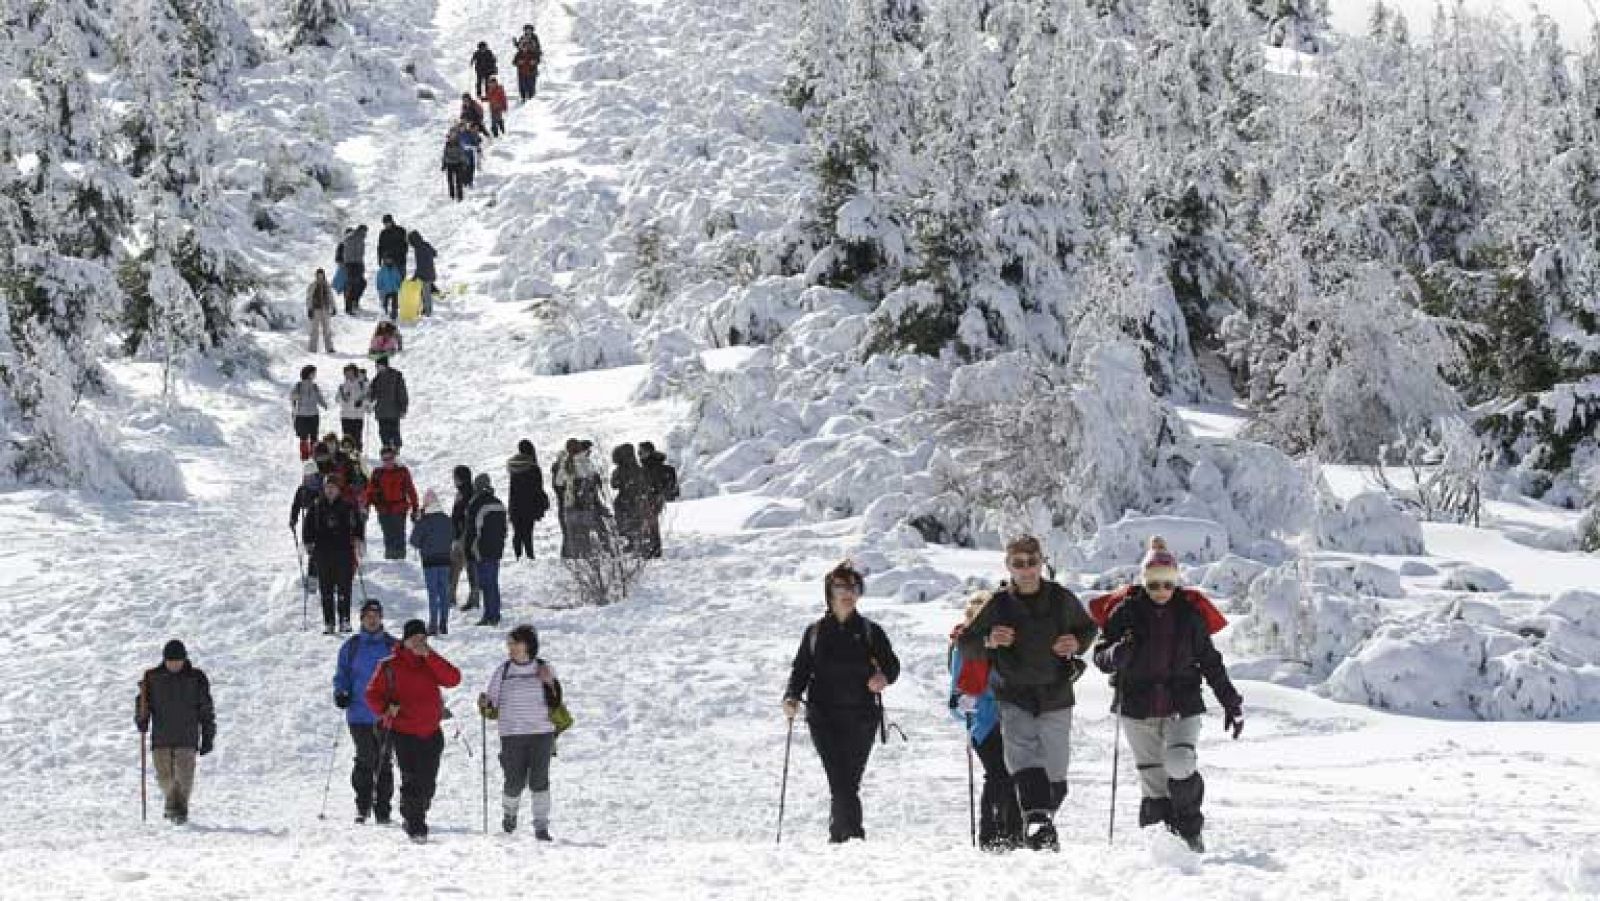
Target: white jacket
353	399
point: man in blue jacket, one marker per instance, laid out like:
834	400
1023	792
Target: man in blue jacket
373	775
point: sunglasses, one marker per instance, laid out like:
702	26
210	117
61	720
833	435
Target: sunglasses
845	587
1161	586
1025	562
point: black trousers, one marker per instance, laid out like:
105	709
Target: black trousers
522	537
306	426
452	181
999	816
483	83
334	575
355	284
352	428
372	777
389	433
419	772
843	739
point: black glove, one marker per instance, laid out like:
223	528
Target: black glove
341	700
1233	720
142	722
1122	653
205	746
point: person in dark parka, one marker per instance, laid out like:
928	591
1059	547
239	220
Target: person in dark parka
528	502
426	271
462	476
334	537
484	66
630	498
843	665
392	244
174	706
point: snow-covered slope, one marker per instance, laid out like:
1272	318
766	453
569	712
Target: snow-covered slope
667	786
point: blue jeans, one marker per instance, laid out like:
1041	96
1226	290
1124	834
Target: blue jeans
489	585
438	582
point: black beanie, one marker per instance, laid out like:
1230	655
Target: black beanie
414	627
525	447
174	650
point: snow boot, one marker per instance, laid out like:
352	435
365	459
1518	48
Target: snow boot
1155	812
327	629
344	625
508	823
542	832
361	819
1040	834
1187	820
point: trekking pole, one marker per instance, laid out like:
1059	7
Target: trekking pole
1116	753
361	573
783	787
483	738
305	602
972	786
327	785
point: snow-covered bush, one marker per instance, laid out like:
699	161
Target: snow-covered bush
1368	523
580	337
1475	579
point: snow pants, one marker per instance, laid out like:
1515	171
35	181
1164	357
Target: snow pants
999	817
389	433
305	429
175	776
320	323
483	83
1038	752
352	428
355	284
1164	751
522	537
394	535
525	764
843	739
527	84
497	125
453	182
419	774
372	776
334	575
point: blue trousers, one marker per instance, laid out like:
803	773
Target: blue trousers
489	585
437	579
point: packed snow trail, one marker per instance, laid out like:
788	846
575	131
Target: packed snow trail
667	785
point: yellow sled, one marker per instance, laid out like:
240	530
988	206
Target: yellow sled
410	300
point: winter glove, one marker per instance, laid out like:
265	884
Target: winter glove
1233	720
968	705
205	745
341	700
1122	653
489	711
142	723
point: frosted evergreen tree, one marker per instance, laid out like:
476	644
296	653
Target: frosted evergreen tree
311	20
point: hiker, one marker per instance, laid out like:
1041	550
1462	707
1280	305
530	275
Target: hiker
425	256
485	542
843	665
471	139
389	279
454	165
404	693
392	244
352	398
529	55
522	694
392	493
174	707
433	537
305	497
483	66
661	478
389	402
1157	647
347	467
320	307
629	502
372	775
462	476
353	258
497	108
1033	630
471	114
333	540
306	404
578	507
386	340
972	702
528	502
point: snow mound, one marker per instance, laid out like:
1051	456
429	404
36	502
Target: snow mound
1366	524
1192	541
1360	577
1475	579
915	584
1230	576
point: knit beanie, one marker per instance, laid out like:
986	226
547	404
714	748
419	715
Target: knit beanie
414	627
525	447
482	482
1159	564
174	650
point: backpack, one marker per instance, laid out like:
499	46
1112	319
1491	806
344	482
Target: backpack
454	155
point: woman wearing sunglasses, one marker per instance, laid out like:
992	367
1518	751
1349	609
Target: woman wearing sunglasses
1157	646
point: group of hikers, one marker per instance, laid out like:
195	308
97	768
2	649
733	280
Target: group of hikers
396	246
463	143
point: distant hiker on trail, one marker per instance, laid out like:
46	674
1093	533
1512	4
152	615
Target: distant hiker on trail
1157	647
433	538
483	66
973	703
320	308
389	278
528	502
662	479
425	256
389	403
485	542
471	138
334	542
352	398
386	340
372	775
462	476
1033	631
306	404
522	693
454	165
354	258
529	55
350	471
392	493
630	501
578	507
174	706
843	665
471	114
497	108
392	244
404	693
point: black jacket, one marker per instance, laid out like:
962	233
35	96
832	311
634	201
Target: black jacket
392	246
388	394
424	254
305	497
483	61
662	477
458	511
526	494
485	538
332	529
179	705
835	675
1028	673
1145	676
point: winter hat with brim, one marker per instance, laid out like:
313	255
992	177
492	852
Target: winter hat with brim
174	650
1159	565
414	627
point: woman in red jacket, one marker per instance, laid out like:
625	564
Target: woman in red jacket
404	693
497	108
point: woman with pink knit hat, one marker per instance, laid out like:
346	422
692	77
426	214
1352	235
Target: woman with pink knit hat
432	536
1157	647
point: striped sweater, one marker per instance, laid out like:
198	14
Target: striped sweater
515	690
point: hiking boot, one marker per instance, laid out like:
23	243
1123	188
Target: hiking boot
381	818
1041	836
486	621
444	630
361	819
508	823
1195	843
344	625
328	629
542	833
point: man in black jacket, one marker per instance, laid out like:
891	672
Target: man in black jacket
844	663
426	271
528	502
483	66
174	706
458	550
662	479
392	244
485	541
1157	646
334	535
1033	630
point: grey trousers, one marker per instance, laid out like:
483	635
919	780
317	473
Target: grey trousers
1037	742
175	776
1163	748
525	762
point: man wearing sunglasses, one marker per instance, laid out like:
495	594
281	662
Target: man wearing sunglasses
1033	631
1157	652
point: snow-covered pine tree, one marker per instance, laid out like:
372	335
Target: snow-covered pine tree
310	20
